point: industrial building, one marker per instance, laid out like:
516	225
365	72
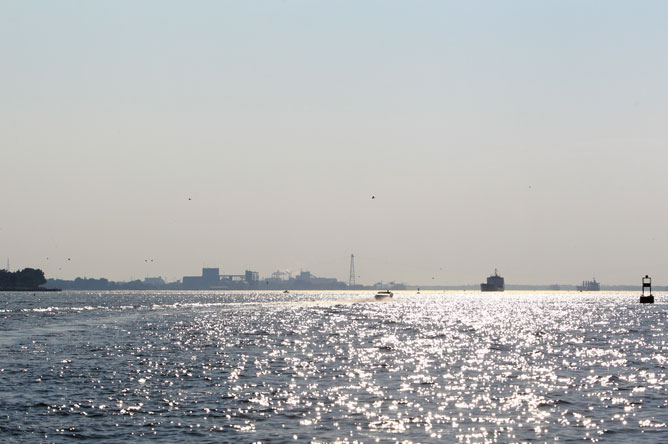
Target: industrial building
211	279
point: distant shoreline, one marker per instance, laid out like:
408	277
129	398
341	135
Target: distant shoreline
31	289
369	290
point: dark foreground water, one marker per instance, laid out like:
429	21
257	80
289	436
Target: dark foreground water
332	367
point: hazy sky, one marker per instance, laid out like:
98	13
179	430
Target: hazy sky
531	136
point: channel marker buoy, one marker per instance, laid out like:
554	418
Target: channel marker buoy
647	283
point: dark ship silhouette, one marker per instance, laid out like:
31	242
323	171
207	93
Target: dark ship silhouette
494	283
589	286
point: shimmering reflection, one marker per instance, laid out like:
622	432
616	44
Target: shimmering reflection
333	367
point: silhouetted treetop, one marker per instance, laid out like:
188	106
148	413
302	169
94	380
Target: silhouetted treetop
28	278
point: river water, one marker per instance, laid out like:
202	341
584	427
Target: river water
333	367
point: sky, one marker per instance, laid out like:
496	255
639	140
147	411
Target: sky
154	138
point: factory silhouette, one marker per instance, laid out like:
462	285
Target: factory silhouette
212	279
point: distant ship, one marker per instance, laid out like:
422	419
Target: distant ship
383	294
589	286
494	283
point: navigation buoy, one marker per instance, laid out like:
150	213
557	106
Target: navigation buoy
647	283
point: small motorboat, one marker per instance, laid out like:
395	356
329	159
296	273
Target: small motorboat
384	294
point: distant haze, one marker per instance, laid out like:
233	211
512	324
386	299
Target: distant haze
526	136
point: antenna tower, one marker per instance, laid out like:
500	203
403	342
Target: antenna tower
351	279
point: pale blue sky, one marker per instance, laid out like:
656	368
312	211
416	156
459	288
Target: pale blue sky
528	136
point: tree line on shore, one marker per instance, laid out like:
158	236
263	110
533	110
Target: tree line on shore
26	279
104	284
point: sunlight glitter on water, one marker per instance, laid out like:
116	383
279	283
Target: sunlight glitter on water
336	367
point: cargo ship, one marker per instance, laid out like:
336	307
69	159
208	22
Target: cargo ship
589	286
494	283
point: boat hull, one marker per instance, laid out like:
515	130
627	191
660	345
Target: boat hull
489	287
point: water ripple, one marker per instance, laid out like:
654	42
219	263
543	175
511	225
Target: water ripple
332	367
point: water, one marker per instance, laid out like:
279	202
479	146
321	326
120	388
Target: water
332	367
